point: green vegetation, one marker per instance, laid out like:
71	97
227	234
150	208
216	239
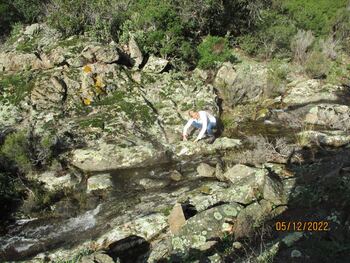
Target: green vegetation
16	148
16	86
213	50
27	152
317	65
276	77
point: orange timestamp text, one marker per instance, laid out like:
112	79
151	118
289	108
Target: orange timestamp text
314	226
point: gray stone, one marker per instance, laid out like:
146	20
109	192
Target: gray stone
205	170
176	176
330	115
307	91
176	219
109	157
226	75
148	183
135	53
155	65
328	138
56	183
240	172
273	190
291	238
206	225
99	182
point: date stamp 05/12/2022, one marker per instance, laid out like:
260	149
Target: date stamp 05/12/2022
299	226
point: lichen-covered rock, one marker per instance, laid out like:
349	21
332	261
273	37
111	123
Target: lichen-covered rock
155	65
97	257
14	61
98	53
226	75
9	115
302	92
209	224
330	115
56	183
148	183
205	170
109	157
135	53
328	138
188	149
246	83
241	172
99	182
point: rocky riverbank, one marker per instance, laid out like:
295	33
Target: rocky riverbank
104	124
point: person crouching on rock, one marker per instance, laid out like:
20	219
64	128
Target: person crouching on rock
200	120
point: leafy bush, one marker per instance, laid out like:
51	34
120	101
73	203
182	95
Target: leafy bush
314	15
213	50
11	12
317	65
271	36
27	151
16	148
96	18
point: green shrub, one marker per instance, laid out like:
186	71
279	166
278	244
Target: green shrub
276	77
271	37
28	151
213	50
16	148
315	15
16	86
25	11
317	65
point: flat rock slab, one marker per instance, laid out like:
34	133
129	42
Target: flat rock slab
111	157
310	91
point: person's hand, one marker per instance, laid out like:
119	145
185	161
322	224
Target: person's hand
184	137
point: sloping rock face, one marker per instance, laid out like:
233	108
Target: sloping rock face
302	92
78	87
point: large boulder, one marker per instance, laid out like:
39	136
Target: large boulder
53	182
331	115
189	149
226	75
207	225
